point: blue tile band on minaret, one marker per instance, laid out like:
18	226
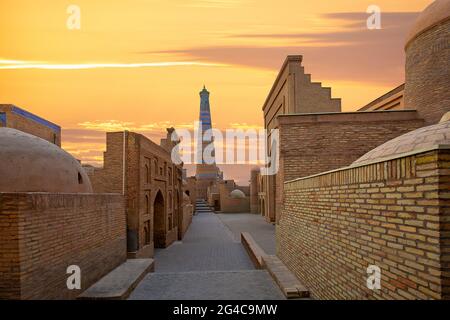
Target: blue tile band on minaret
205	120
205	112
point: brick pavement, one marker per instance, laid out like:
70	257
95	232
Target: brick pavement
209	264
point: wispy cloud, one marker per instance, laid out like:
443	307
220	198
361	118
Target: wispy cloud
352	52
116	125
5	61
245	126
14	64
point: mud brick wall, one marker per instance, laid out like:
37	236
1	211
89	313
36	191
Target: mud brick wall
428	73
393	214
314	143
41	234
22	120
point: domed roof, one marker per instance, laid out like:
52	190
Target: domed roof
435	13
32	164
237	194
414	141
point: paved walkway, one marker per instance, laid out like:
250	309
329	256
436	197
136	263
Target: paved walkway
261	231
210	264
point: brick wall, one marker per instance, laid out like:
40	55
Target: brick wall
314	143
24	122
292	92
41	234
191	189
393	214
428	73
232	205
109	179
148	171
188	211
392	100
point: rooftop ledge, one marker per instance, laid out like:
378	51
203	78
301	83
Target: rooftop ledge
397	156
359	116
346	112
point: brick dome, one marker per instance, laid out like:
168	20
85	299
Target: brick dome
31	164
237	194
414	141
437	12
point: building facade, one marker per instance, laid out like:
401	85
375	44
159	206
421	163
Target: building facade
393	100
317	137
227	197
14	117
387	209
293	92
153	188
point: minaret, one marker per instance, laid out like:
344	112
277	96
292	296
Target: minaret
206	174
205	112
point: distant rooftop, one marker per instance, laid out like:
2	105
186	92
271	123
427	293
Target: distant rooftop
26	114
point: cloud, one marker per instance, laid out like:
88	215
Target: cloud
6	61
13	64
244	126
352	53
117	125
87	141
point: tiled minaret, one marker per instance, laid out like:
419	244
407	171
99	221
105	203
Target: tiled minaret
206	174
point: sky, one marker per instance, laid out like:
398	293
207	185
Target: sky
140	64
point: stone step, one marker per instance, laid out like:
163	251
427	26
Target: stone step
253	249
119	283
286	280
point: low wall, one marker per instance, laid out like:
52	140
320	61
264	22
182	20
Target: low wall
234	205
188	211
393	214
41	234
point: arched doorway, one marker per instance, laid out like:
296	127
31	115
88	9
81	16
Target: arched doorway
159	213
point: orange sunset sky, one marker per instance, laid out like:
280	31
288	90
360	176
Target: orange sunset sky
148	59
